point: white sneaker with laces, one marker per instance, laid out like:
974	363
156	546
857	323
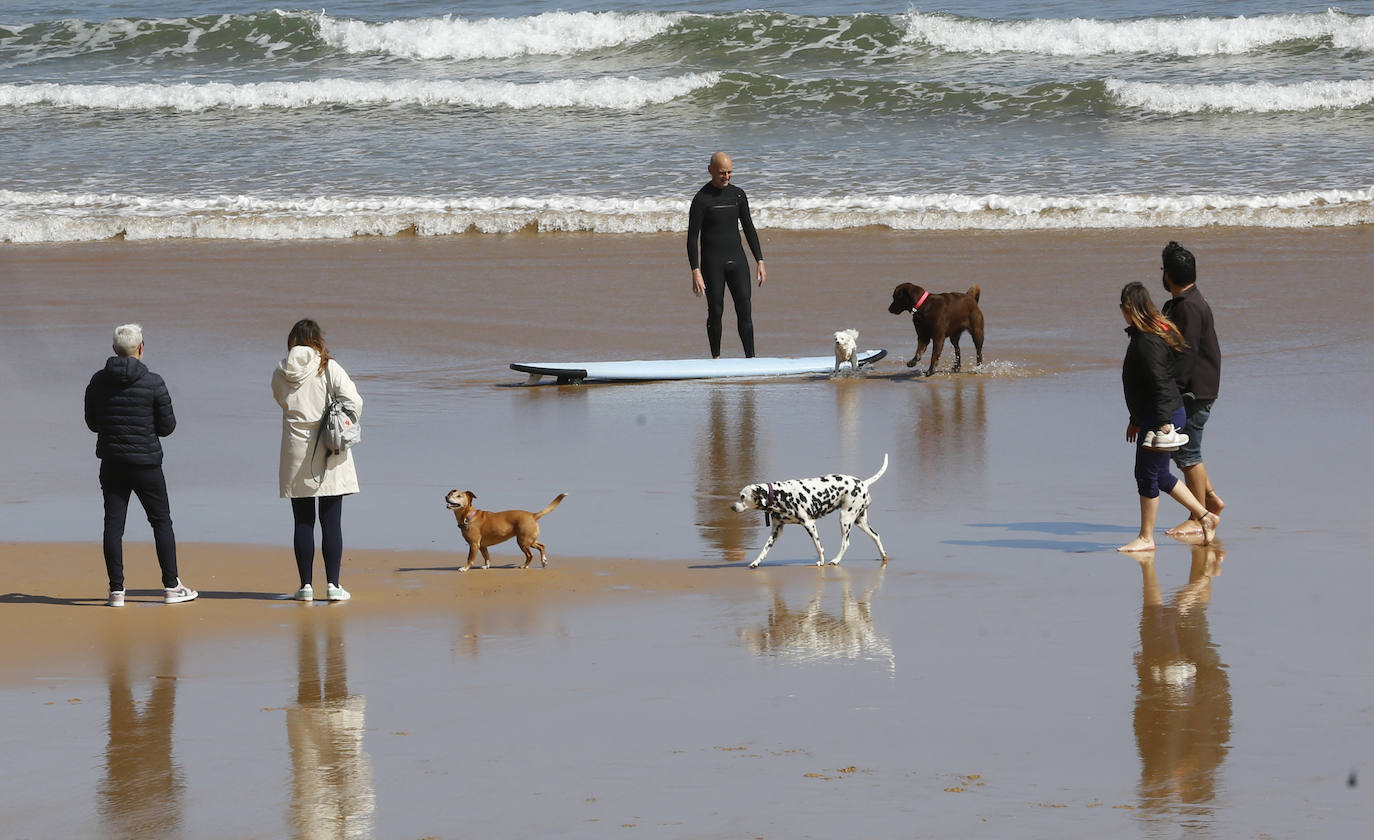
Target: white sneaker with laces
305	593
116	598
179	593
338	593
1166	441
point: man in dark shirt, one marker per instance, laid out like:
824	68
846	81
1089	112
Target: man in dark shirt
718	212
129	409
1198	372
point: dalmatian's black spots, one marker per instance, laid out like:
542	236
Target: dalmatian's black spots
802	501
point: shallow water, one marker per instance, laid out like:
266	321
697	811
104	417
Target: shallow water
1007	672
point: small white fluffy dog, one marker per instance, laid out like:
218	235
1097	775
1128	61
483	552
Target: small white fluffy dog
846	349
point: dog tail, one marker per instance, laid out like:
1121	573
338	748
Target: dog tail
552	505
879	474
974	291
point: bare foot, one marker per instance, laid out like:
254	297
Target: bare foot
1209	523
1187	528
1138	544
1214	502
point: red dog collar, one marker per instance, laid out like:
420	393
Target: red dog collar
918	303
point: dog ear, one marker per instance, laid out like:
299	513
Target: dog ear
471	495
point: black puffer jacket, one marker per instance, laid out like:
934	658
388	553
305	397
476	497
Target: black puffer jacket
1147	379
128	408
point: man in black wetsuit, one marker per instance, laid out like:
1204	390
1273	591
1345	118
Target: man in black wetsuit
719	210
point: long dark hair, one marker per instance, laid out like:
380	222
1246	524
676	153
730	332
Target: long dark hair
1141	313
307	333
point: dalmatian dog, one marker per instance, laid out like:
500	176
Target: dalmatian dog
804	500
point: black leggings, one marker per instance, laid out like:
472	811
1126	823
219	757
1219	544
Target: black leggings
331	536
732	274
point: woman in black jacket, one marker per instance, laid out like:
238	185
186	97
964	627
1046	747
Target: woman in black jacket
1156	407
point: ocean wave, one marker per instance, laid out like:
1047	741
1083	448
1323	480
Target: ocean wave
1251	98
278	33
762	36
29	217
549	33
1181	36
609	93
257	36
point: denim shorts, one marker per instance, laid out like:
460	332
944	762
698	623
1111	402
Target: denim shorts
1190	453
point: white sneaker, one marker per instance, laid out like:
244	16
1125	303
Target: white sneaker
1165	441
338	593
116	597
305	593
179	593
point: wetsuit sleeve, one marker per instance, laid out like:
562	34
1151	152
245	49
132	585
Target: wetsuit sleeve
694	218
747	223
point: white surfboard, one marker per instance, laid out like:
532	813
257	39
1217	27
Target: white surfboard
647	370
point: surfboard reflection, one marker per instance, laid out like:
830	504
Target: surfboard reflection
332	794
818	631
1183	701
141	794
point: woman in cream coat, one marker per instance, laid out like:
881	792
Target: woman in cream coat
301	385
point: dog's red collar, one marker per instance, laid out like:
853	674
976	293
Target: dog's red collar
922	300
467	519
767	518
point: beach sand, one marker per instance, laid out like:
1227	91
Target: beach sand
1005	674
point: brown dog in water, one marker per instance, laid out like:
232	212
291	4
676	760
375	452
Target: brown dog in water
482	528
939	316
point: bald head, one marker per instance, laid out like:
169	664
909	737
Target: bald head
721	168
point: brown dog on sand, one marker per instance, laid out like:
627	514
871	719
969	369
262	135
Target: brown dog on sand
482	528
937	316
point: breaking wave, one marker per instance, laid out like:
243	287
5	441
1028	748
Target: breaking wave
67	217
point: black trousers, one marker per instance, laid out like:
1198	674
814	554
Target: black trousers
119	480
732	275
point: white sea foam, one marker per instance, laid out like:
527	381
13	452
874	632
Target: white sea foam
1182	36
550	33
64	217
613	93
1256	98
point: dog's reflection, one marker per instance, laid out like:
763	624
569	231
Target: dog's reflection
728	461
1183	701
816	631
332	794
954	424
141	795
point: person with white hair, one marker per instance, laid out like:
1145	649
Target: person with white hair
129	409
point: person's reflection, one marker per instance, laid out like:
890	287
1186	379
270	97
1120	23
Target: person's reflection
813	633
141	795
332	795
1183	705
728	461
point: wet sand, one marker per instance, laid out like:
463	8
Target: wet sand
1007	673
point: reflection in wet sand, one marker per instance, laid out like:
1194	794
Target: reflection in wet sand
812	633
956	421
1183	705
727	462
141	795
332	795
